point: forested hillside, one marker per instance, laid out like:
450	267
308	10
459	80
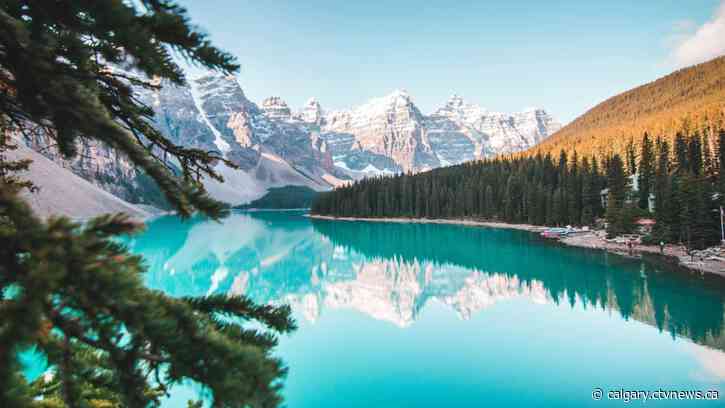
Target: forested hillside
681	178
286	197
691	100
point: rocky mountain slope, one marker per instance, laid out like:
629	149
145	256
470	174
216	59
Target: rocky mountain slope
274	145
62	192
390	134
462	129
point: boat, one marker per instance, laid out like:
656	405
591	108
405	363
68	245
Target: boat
554	233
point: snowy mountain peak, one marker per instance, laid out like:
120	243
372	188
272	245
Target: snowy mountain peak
457	108
320	149
396	100
276	108
311	112
455	101
214	85
400	93
399	96
534	112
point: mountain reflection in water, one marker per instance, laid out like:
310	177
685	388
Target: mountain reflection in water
392	271
430	315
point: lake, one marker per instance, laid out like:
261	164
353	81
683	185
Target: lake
424	315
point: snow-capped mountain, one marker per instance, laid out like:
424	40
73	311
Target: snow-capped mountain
273	145
276	109
463	129
385	134
390	134
311	112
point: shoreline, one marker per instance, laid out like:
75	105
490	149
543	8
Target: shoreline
269	209
673	254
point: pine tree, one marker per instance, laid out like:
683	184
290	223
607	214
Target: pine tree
646	173
616	181
663	204
681	154
70	290
539	190
631	158
694	153
574	191
598	182
695	214
590	193
558	207
709	166
617	184
562	202
721	164
490	204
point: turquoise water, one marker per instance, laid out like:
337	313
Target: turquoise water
420	315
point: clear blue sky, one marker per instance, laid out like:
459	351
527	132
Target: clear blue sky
564	56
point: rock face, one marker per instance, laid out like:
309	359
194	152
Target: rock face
244	132
102	167
61	192
229	118
276	109
390	134
383	130
463	130
311	113
177	116
274	146
271	148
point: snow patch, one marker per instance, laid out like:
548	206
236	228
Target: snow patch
220	143
273	157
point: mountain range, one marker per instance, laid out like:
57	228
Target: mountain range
275	146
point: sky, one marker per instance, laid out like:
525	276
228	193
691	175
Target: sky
563	56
